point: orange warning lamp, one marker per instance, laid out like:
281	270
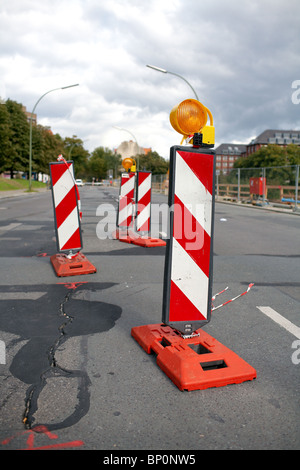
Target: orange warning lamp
129	164
189	118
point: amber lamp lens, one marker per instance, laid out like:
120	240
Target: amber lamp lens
127	163
188	117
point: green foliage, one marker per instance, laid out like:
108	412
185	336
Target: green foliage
15	155
15	184
5	137
73	150
102	160
153	162
293	154
271	155
14	142
14	150
278	161
45	148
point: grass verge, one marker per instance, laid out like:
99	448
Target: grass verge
10	185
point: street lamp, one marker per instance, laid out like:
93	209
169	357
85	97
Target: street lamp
158	69
126	130
30	133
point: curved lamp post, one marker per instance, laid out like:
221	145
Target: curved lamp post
158	69
30	133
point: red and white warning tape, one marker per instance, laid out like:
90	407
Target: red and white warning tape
215	308
231	300
213	298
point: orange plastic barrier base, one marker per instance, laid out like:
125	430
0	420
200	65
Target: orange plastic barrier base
121	235
192	363
130	237
78	265
146	241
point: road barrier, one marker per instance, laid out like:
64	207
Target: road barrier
125	207
134	210
142	223
69	261
188	267
191	358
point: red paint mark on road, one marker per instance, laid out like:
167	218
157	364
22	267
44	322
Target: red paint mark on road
72	285
42	430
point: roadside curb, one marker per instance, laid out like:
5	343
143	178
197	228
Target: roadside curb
20	192
265	208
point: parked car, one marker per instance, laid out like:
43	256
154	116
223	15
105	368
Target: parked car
79	182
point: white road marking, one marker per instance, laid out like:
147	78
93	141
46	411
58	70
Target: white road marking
2	353
21	295
275	316
11	226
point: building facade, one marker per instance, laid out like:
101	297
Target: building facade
270	136
28	116
129	149
227	154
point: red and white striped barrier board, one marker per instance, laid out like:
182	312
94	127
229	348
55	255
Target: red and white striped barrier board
143	201
126	201
188	263
65	202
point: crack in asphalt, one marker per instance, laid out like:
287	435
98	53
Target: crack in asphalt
33	393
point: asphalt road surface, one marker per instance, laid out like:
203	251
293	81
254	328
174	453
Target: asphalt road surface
72	376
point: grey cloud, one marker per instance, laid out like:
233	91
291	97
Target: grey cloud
241	57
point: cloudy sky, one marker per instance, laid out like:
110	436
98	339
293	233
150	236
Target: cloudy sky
241	57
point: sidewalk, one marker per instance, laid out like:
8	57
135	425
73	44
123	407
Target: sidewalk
20	192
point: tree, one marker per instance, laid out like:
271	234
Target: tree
97	166
271	155
19	138
153	162
14	149
276	159
5	138
14	143
73	150
102	160
113	160
54	145
45	148
293	154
